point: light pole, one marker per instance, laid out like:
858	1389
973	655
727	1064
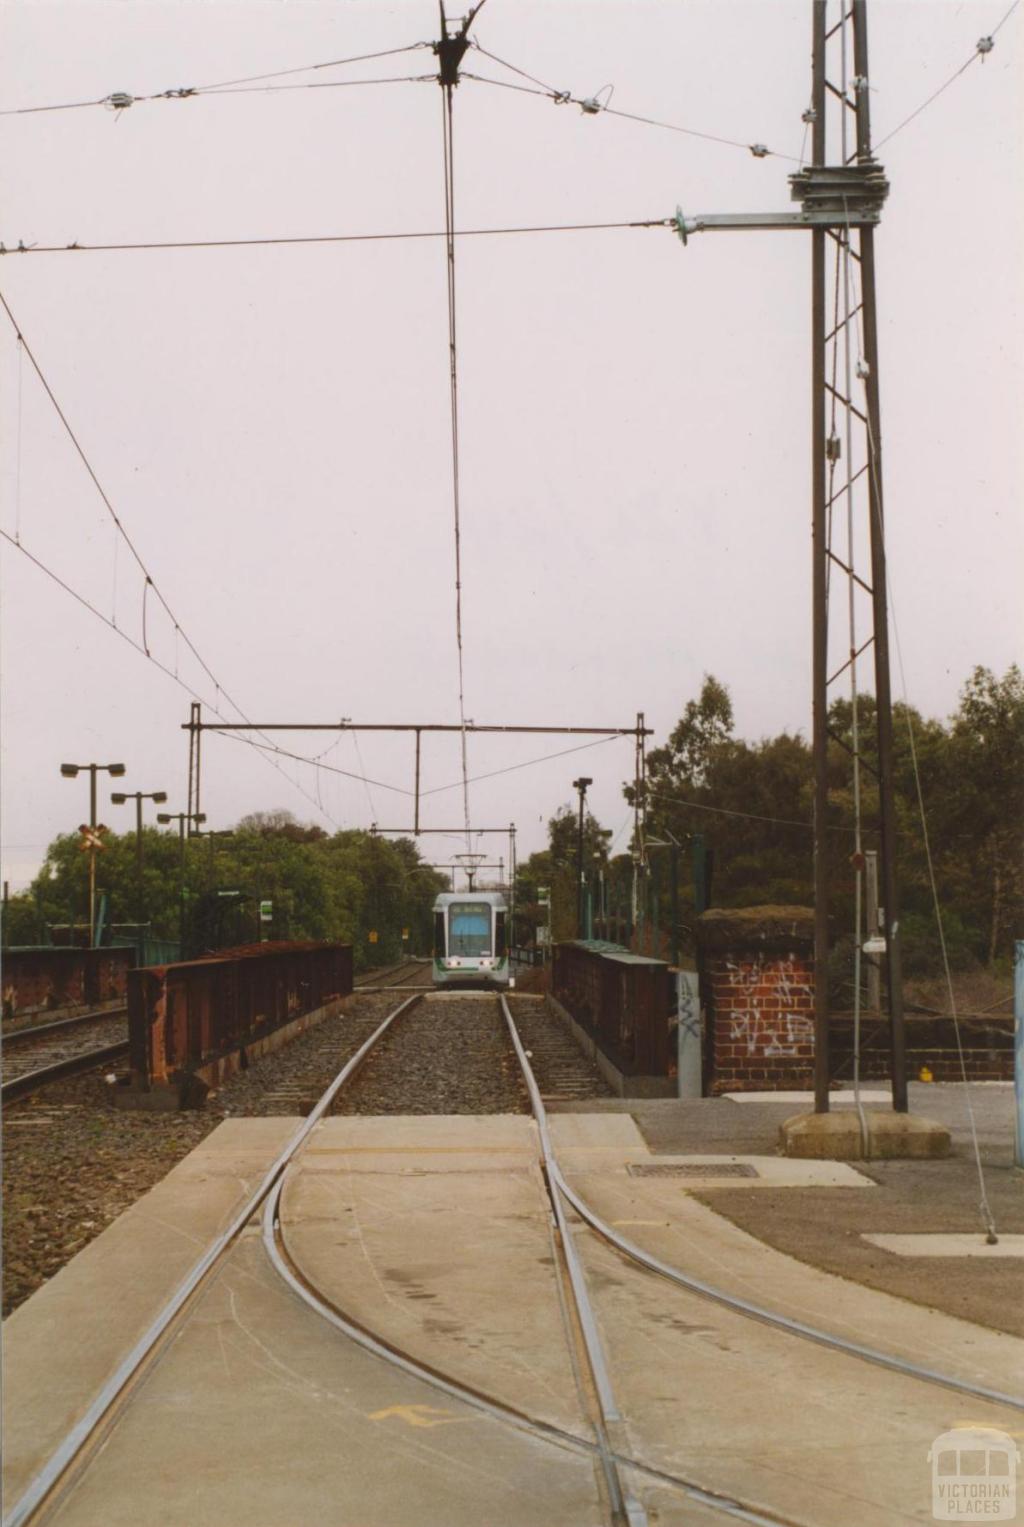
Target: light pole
181	817
674	845
119	797
601	916
71	771
580	785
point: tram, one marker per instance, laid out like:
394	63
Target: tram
471	939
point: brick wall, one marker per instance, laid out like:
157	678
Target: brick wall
987	1043
761	1007
757	991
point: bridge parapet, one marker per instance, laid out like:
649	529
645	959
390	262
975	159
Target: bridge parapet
621	1006
58	980
190	1025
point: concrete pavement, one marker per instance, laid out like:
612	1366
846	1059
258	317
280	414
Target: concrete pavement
434	1233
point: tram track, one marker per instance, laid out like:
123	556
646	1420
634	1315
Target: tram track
392	976
607	1448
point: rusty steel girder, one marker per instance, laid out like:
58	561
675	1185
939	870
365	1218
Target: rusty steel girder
181	1017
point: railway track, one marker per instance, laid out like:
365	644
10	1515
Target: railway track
14	1035
50	1052
412	972
624	1467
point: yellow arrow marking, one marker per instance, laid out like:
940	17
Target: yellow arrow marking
415	1415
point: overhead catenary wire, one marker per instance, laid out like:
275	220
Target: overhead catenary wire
148	580
80	451
17	440
171	673
23	248
529	763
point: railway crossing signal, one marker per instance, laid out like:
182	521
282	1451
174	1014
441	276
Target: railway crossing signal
92	838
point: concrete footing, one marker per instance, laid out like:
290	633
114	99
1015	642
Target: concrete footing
838	1136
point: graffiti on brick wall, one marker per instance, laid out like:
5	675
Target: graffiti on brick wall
773	1017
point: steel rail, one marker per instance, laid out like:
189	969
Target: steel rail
379	977
72	1065
64	1455
626	1505
276	1248
277	1252
747	1307
37	1030
772	1317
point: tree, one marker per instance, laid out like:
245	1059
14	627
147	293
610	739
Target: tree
986	793
555	869
752	802
321	887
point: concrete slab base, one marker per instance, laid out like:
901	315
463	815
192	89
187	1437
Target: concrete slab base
611	1144
435	1234
843	1099
948	1245
838	1137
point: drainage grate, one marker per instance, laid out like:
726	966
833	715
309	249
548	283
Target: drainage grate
693	1169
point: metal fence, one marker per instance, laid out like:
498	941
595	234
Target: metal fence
622	1000
149	950
183	1016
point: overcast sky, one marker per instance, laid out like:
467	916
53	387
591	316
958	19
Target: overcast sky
271	424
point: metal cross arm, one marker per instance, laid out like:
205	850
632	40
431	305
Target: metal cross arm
830	196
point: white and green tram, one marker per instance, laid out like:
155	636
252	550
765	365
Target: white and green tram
471	939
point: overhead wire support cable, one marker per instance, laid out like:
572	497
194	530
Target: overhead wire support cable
593	106
120	100
450	50
982	48
317	762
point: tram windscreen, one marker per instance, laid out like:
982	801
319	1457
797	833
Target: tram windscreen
469	929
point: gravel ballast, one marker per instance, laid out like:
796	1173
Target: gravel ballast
73	1163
